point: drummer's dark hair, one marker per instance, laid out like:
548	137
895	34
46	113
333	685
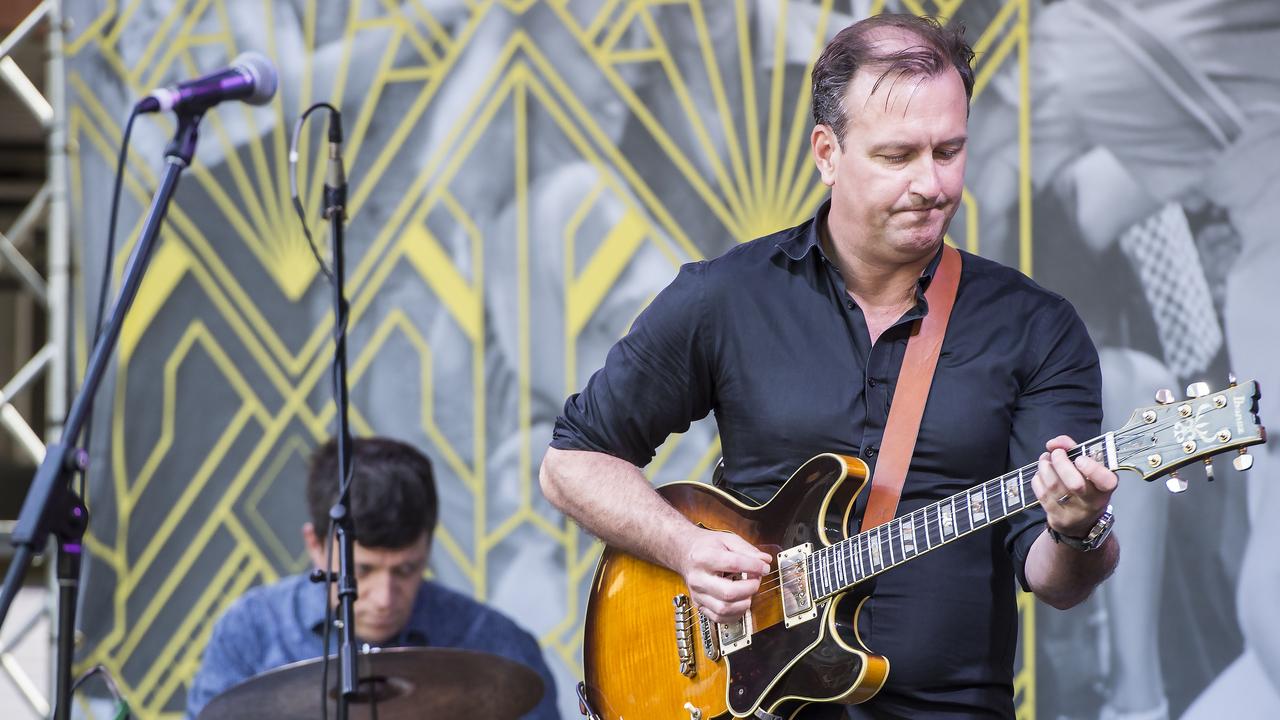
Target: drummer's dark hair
393	492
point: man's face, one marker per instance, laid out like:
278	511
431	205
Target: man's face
898	180
387	582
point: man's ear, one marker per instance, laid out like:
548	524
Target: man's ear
826	152
315	545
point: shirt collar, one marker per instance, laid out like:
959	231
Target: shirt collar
807	237
926	276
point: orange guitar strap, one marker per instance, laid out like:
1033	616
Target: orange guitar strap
912	391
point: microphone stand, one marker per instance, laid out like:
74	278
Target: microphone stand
52	506
335	201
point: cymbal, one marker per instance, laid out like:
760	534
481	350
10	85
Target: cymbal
402	682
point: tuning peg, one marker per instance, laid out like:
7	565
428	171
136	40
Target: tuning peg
1231	379
1164	396
1175	483
1243	461
1198	389
1208	468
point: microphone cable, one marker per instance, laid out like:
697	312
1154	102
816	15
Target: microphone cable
293	183
105	284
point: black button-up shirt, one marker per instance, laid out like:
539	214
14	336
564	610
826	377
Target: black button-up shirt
768	338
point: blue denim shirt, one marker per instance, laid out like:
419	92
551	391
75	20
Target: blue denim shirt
278	624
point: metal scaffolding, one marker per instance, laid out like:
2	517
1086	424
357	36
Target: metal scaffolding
52	293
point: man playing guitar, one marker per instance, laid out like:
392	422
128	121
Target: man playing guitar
795	341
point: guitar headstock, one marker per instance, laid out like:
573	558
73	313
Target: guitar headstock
1161	438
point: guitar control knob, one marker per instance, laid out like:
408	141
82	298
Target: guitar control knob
1243	461
1199	389
1208	468
1164	396
1175	483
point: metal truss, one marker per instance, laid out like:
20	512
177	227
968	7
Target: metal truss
52	293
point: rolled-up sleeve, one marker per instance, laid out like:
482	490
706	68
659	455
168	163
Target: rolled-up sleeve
1062	396
655	381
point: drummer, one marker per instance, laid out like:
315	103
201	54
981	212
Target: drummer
394	509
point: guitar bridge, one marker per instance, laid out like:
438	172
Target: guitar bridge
797	600
684	631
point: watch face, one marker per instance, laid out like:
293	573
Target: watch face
1101	529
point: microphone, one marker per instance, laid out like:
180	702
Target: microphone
251	78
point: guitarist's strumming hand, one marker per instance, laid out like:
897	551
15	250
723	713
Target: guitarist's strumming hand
1074	494
722	571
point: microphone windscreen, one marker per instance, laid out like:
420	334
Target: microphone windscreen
263	74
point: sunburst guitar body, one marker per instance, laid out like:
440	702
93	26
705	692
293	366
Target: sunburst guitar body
650	655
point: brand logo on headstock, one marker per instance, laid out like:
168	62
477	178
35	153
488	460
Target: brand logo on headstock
1194	428
1237	404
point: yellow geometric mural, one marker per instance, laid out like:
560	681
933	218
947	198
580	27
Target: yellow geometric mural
525	176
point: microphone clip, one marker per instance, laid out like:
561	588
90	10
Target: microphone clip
335	182
182	148
335	186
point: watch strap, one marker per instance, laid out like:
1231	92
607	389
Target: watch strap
1093	540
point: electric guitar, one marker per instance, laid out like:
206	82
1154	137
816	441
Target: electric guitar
649	653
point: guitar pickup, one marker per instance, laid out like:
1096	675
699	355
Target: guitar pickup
798	605
735	635
710	643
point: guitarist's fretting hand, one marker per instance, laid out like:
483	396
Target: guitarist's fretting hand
713	567
1073	494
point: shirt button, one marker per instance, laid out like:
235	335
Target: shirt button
848	304
871	451
871	382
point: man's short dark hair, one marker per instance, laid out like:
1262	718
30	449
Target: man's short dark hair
393	492
855	48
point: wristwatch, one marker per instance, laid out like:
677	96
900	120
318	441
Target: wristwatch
1093	540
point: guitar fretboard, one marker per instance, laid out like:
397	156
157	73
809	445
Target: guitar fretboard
839	566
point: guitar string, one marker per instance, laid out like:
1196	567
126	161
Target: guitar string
830	560
1120	442
768	583
894	531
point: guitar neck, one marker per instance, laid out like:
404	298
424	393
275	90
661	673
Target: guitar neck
837	567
